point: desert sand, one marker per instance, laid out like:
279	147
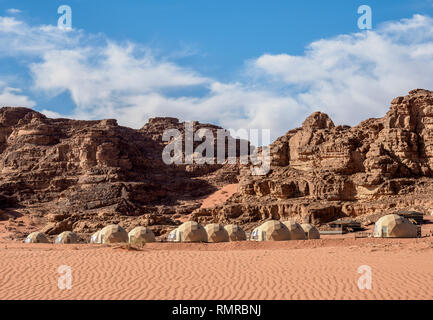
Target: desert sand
313	269
219	196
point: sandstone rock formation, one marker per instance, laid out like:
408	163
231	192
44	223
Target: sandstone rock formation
71	175
82	175
321	171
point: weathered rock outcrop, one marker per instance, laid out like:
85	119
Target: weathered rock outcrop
81	175
321	171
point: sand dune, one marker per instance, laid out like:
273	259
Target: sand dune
316	269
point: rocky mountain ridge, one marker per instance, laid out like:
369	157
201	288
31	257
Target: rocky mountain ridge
321	171
81	175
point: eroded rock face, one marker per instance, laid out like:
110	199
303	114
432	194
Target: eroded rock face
321	171
70	175
88	174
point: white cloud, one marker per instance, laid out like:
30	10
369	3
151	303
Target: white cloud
8	25
51	114
13	11
128	82
12	97
232	105
19	39
103	75
351	77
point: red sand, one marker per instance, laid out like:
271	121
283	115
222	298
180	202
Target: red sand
313	269
220	196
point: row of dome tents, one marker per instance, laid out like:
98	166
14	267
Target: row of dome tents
274	230
109	234
64	237
115	234
187	232
271	230
389	226
192	231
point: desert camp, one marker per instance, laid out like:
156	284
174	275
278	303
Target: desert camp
96	237
272	230
36	237
295	230
311	231
190	231
141	235
395	226
235	232
66	237
226	157
388	226
216	233
172	236
113	234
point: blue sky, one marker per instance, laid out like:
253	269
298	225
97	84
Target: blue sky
222	33
234	63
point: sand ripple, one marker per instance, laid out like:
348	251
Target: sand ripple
194	272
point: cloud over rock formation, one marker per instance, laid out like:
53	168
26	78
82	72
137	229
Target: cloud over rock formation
71	175
321	171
